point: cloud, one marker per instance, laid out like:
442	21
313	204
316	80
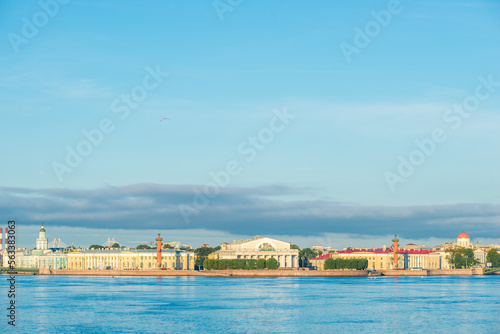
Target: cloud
266	210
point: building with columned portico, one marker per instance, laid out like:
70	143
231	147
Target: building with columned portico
260	248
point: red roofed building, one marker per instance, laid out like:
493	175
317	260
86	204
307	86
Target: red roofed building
463	240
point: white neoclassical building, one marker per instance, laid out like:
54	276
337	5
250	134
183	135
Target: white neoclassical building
261	248
463	240
41	256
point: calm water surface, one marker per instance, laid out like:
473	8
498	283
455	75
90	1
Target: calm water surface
50	304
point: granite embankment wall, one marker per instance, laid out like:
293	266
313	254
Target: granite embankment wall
211	273
434	272
456	272
264	273
404	272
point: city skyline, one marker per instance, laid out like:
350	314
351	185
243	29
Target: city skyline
345	124
197	238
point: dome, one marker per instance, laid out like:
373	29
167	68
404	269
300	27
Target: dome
463	235
42	229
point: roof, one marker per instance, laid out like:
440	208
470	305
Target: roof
463	235
140	251
323	257
247	240
376	251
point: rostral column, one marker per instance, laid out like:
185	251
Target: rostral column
158	250
395	251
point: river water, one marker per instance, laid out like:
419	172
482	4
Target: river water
59	304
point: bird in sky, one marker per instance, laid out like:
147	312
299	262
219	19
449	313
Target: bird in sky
164	118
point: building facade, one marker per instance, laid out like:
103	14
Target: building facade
383	259
260	248
463	240
41	256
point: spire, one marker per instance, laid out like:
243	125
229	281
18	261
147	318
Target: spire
42	229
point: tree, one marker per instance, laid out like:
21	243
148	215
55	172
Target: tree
202	255
96	247
272	263
461	257
250	264
308	253
292	246
459	261
115	245
493	257
143	247
223	264
261	264
362	264
469	254
167	246
329	264
240	264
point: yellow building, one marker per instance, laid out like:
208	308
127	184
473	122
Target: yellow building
136	259
213	256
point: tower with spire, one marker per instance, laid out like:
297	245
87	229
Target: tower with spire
41	242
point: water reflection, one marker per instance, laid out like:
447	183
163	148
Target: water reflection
257	305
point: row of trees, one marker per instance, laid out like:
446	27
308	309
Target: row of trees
461	257
202	254
244	264
493	257
339	263
115	245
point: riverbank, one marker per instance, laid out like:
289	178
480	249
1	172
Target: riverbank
266	273
210	273
434	272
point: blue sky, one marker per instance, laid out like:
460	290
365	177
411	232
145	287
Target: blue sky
323	174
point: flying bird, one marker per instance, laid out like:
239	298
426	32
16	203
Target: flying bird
164	118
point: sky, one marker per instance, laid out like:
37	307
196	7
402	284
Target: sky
314	123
